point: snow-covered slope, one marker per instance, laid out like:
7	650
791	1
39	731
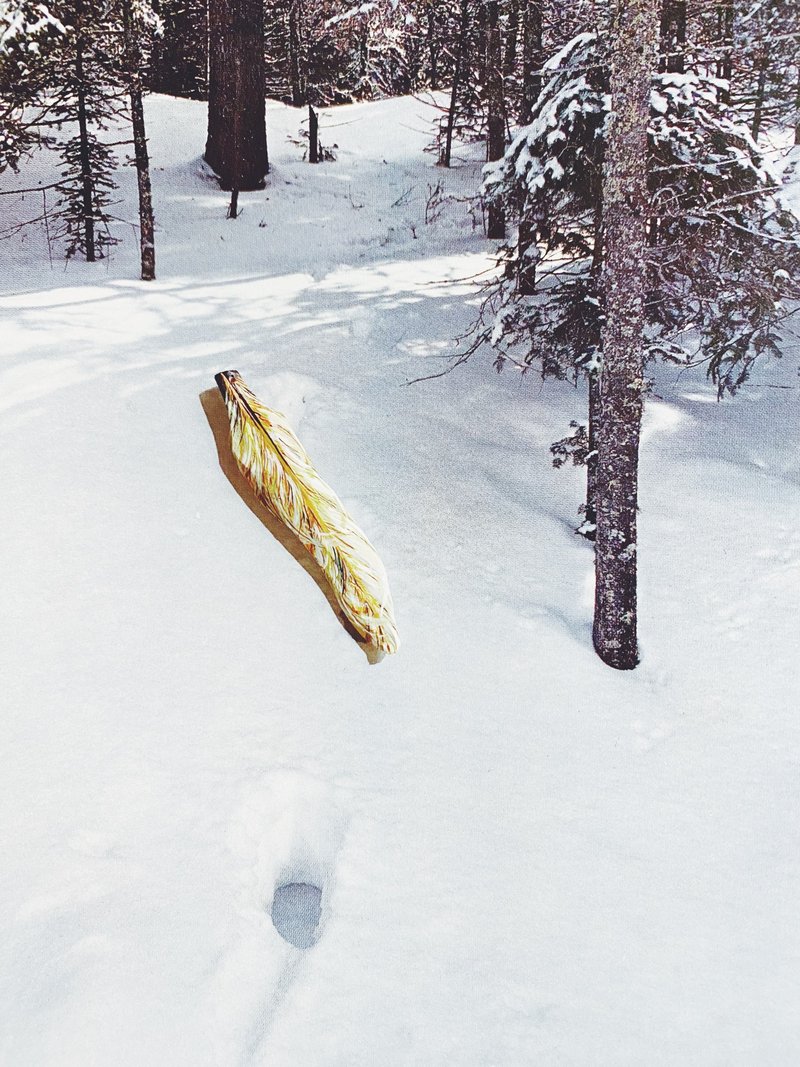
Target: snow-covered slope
524	857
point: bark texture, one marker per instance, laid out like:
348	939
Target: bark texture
725	63
313	136
296	79
87	182
672	59
625	201
531	87
146	225
495	110
532	57
236	148
458	75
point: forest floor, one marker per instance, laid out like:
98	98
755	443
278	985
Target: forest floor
524	857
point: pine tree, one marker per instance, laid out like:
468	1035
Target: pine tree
85	68
720	249
28	32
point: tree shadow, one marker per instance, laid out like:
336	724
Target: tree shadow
217	416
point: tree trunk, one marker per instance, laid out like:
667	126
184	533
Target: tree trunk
313	135
236	92
531	57
512	38
531	87
672	57
146	224
495	108
625	201
87	184
725	64
433	44
761	89
590	510
458	74
797	108
295	77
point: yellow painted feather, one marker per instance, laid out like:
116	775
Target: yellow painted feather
283	477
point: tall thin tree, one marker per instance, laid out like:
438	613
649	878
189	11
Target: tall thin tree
625	202
495	110
133	63
458	77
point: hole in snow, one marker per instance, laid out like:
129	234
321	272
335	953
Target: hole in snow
296	911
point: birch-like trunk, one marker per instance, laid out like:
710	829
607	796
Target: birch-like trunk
625	201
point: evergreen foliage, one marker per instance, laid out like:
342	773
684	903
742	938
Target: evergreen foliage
719	239
27	32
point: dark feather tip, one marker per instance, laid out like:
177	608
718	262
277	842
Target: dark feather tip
222	381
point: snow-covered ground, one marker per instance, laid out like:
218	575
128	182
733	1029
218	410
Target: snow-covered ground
524	857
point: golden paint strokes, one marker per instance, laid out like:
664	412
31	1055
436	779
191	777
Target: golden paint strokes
283	477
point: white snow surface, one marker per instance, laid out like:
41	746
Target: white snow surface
524	856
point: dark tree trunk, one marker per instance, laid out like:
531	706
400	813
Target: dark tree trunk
672	58
236	149
495	109
590	510
512	39
725	64
797	108
761	89
526	277
594	376
87	183
296	80
313	135
531	57
625	201
146	224
458	75
531	87
433	44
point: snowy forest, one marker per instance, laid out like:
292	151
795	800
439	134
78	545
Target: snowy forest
423	690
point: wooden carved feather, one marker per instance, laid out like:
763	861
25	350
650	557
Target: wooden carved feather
283	477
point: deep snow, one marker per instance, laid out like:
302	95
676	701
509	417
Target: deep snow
524	857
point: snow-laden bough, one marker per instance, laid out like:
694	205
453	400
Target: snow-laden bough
284	479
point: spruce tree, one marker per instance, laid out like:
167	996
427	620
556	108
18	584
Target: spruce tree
721	248
85	67
28	33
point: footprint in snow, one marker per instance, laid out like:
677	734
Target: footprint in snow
285	841
296	913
